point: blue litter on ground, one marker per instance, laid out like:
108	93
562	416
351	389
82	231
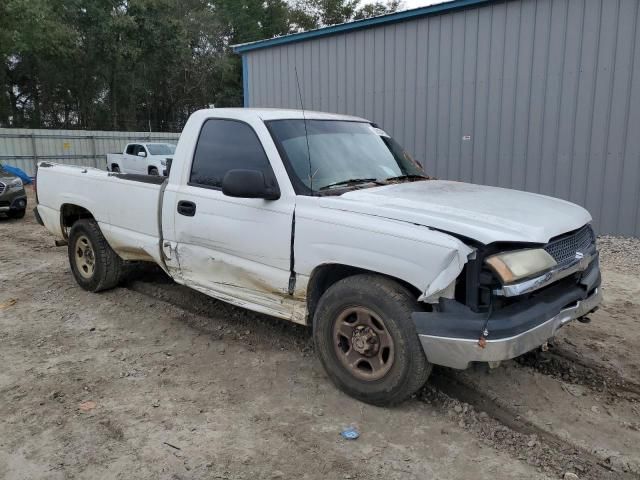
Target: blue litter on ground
350	433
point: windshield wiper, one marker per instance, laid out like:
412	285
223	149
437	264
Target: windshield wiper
407	177
351	181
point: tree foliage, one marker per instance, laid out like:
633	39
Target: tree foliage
332	12
139	64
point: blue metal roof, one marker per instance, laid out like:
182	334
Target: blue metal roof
358	24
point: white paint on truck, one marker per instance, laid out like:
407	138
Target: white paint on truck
238	249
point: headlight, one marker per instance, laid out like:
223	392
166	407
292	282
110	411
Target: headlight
512	266
163	163
15	184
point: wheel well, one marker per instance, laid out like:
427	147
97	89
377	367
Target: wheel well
70	214
326	275
114	165
151	167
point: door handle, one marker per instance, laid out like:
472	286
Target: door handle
186	208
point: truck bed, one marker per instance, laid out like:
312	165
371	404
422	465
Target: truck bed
105	196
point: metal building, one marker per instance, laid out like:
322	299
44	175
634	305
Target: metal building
539	95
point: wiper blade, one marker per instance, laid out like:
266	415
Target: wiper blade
407	177
352	181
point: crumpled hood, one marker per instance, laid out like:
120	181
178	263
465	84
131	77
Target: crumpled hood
486	214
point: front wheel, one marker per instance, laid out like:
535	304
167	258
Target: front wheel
367	341
94	264
153	171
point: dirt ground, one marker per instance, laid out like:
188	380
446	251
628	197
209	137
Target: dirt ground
152	380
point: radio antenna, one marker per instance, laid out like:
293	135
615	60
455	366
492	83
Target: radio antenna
306	133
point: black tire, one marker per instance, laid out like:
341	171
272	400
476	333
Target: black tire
393	304
115	168
16	214
153	171
108	267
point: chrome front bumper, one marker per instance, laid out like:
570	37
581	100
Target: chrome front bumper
460	352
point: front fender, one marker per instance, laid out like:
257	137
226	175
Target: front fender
427	259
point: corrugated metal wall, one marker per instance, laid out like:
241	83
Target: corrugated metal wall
539	95
22	148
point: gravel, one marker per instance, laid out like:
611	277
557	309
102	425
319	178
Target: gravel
621	253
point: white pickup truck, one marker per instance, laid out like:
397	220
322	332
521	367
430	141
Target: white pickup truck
324	220
142	158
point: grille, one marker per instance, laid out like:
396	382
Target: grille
2	187
563	249
4	203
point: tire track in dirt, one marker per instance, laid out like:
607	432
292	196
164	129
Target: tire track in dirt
465	403
561	363
489	418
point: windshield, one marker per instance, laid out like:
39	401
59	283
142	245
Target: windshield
161	148
342	154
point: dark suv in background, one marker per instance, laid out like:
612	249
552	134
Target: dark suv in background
13	198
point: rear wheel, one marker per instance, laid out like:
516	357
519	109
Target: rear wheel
16	213
153	171
94	264
367	341
115	168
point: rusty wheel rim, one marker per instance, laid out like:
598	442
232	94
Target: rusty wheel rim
85	257
363	344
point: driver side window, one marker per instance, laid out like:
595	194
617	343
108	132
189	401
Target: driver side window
226	145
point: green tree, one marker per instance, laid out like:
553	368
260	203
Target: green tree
376	9
34	44
332	12
138	64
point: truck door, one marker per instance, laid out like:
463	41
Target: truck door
129	158
235	249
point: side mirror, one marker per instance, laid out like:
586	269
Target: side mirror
142	154
248	184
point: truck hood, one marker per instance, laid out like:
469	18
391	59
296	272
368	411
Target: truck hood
486	214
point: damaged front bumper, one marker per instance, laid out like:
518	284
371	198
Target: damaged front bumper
450	336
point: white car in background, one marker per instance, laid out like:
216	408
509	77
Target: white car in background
142	159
